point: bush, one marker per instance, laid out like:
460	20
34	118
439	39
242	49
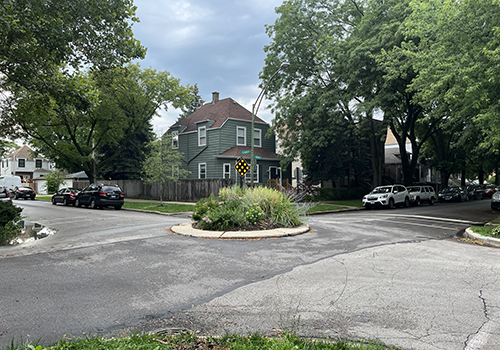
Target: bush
54	180
9	215
234	208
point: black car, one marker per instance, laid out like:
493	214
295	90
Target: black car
5	194
24	192
99	196
453	194
474	192
65	196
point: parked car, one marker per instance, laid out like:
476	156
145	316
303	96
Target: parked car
489	190
495	200
24	192
65	196
5	194
453	194
99	196
419	194
474	192
387	196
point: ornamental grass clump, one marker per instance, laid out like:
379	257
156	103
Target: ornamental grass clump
237	208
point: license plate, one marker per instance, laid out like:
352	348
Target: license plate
113	197
372	202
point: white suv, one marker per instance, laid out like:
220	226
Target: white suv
419	194
387	196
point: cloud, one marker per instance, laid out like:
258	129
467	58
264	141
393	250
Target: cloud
216	44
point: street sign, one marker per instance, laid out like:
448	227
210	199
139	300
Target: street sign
242	167
257	157
245	152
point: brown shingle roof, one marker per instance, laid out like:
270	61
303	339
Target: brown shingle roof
218	112
235	153
23	152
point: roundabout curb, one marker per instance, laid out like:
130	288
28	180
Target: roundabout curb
490	241
186	229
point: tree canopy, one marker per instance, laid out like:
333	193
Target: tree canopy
418	67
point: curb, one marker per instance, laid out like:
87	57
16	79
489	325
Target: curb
186	229
489	241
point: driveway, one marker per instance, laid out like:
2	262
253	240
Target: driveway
399	276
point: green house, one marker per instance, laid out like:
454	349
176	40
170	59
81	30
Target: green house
217	135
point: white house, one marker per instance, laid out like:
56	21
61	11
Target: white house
24	163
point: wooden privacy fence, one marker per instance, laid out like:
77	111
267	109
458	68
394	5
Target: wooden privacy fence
182	190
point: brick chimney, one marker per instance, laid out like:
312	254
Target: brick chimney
215	97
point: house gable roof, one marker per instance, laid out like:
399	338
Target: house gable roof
218	112
23	152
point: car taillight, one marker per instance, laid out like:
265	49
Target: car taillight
102	194
8	194
121	195
72	195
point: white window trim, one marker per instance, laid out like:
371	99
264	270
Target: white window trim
259	138
199	135
175	140
244	136
19	159
199	170
226	174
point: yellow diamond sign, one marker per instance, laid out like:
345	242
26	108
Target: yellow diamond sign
242	167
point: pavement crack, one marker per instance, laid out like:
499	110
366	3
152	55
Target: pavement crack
476	340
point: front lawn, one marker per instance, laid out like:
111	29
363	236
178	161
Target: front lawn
155	206
487	231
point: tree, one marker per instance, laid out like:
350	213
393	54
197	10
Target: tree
94	113
163	163
314	117
196	102
54	180
40	36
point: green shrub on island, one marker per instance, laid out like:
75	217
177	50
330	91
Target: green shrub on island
236	208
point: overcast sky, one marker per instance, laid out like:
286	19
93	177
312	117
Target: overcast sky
217	44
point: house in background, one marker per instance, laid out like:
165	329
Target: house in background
25	164
215	136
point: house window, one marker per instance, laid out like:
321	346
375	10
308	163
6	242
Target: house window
226	171
202	136
21	163
202	170
256	174
257	138
38	163
175	139
241	136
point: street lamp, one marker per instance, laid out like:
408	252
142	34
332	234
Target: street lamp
254	112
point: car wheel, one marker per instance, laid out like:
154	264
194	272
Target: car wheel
431	201
77	203
92	204
53	201
118	207
407	202
65	201
392	205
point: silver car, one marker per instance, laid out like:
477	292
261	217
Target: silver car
5	195
387	196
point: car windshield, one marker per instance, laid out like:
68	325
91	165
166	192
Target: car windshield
450	190
381	190
109	189
414	189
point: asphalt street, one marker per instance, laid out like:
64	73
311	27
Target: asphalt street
399	276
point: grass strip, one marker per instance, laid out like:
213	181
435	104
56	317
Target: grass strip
188	341
162	208
485	230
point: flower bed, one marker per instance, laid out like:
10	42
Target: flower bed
259	208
